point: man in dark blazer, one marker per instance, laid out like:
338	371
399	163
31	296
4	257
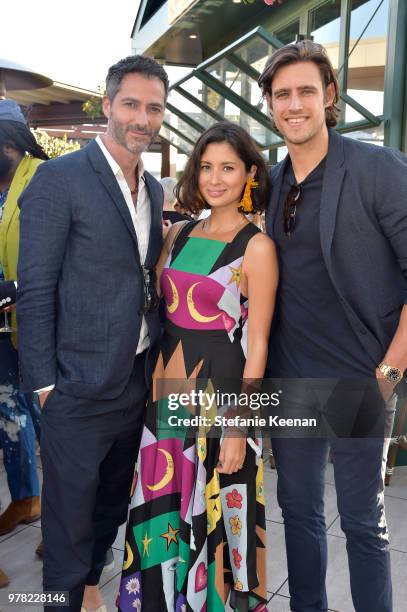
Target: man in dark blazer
338	215
91	233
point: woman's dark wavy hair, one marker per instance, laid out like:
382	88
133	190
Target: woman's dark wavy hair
20	137
187	191
303	51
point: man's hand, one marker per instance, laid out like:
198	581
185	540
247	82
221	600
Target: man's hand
232	455
386	387
42	397
8	308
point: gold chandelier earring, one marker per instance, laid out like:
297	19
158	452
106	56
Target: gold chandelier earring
246	204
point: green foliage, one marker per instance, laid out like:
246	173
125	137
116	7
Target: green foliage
53	146
93	106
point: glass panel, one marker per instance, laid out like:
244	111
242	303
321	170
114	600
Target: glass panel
352	115
182	126
374	135
367	62
256	53
175	139
241	85
289	33
190	110
324	27
239	82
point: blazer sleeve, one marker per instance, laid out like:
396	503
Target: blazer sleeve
391	203
44	227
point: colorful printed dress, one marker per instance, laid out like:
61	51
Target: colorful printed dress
192	533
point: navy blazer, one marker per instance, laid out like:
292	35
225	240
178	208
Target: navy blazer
363	230
80	281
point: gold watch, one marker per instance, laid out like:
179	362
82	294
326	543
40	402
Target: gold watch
393	375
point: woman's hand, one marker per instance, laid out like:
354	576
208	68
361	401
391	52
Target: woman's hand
232	455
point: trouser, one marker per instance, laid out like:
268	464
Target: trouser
359	468
88	451
18	427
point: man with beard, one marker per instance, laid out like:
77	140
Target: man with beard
91	232
20	156
338	216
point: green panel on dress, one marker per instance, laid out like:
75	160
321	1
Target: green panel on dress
213	601
153	545
198	255
164	429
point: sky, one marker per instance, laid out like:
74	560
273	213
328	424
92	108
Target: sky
72	41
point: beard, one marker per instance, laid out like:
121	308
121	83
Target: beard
136	146
5	165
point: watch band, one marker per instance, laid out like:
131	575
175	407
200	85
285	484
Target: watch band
391	373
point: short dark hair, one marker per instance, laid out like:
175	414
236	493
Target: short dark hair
187	190
303	51
130	65
18	136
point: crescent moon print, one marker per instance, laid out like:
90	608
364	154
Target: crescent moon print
197	316
169	472
130	557
175	297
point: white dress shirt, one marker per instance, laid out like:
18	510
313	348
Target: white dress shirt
141	217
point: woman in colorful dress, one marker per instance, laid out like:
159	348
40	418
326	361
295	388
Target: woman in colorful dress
196	529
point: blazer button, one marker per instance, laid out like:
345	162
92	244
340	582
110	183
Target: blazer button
363	331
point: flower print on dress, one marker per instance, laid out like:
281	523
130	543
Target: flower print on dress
133	586
234	499
237	557
235	525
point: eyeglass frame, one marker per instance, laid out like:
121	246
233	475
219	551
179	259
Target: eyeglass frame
290	209
151	299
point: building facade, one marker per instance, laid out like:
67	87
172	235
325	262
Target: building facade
226	43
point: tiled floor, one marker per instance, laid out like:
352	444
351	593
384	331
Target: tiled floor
17	556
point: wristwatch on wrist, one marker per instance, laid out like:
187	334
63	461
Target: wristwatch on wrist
393	375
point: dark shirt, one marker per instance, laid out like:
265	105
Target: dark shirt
174	216
311	336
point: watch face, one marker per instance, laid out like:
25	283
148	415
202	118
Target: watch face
393	375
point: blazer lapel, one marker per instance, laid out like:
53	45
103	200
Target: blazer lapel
276	177
107	178
331	190
155	195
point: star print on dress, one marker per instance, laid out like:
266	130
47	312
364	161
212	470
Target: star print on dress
236	275
170	535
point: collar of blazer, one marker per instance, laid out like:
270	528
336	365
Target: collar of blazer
107	178
331	190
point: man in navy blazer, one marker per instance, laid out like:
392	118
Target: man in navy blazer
91	233
338	215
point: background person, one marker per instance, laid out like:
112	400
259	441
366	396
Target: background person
169	211
20	156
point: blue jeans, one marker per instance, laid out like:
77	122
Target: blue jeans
358	465
19	425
